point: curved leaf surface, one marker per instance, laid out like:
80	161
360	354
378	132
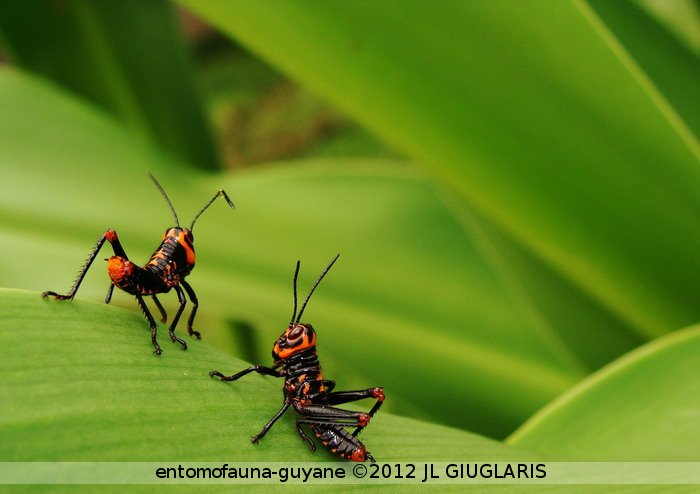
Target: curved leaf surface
643	407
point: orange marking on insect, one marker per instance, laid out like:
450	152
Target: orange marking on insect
303	402
363	419
157	255
358	454
378	393
311	343
189	249
119	268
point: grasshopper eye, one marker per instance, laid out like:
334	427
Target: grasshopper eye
295	333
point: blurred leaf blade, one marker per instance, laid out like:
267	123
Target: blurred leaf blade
525	141
670	65
682	18
128	57
643	407
567	318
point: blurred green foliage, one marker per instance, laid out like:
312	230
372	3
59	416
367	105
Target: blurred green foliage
533	216
127	57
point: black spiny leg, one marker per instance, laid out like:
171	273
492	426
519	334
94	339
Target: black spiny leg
312	444
195	306
110	235
271	422
163	314
326	421
349	396
183	301
321	414
151	322
371	413
260	369
328	384
110	291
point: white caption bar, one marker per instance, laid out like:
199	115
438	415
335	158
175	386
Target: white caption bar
482	472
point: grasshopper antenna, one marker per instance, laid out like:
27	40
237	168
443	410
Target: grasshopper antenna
294	284
314	287
220	193
167	199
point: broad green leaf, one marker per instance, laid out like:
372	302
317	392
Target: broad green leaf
643	407
425	297
535	116
80	383
129	57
